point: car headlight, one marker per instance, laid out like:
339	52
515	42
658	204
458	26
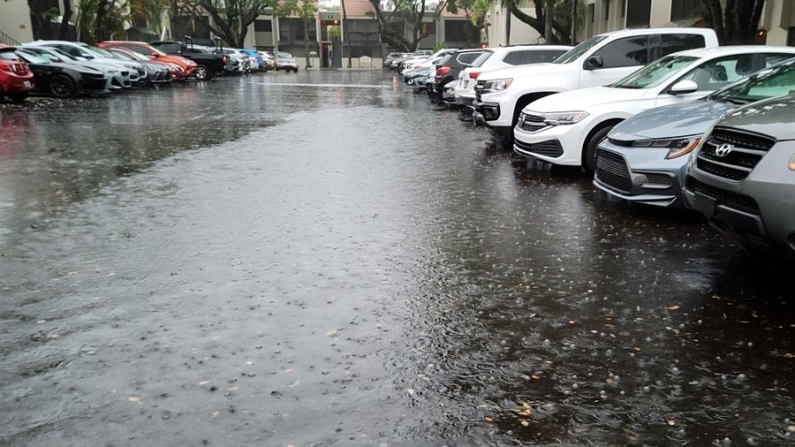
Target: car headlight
563	118
677	146
497	85
792	163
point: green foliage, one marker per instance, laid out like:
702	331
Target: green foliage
335	33
229	19
561	22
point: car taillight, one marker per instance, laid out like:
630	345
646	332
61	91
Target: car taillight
442	71
224	60
474	75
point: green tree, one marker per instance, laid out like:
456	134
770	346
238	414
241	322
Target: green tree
475	12
405	25
560	32
306	10
737	22
228	19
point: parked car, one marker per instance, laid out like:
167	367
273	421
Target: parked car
173	72
644	159
415	61
451	65
257	62
742	176
605	58
16	78
395	64
269	60
112	72
188	66
243	60
62	80
207	63
286	61
502	57
391	57
566	128
130	71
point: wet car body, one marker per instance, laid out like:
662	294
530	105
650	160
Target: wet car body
81	51
450	66
113	73
742	177
156	72
188	66
64	80
646	156
16	78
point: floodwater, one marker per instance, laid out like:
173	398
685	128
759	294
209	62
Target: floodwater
325	258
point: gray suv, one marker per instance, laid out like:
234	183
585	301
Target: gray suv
742	177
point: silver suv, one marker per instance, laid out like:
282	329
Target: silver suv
742	178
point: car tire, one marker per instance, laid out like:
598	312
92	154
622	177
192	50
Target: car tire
589	157
62	86
17	97
202	73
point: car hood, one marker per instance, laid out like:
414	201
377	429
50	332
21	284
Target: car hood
525	71
773	117
78	68
689	118
585	98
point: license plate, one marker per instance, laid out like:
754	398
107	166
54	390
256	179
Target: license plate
26	84
705	204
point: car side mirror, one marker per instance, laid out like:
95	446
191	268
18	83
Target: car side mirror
155	55
86	55
683	87
594	62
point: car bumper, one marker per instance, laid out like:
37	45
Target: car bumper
16	83
560	145
496	108
640	175
93	85
758	210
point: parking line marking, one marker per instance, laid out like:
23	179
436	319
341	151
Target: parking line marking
318	85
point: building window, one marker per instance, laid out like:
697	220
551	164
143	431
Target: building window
607	10
292	30
263	26
639	14
460	31
683	9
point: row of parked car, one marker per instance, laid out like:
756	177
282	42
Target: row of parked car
662	117
65	69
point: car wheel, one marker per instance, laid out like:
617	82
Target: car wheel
17	96
62	86
201	73
589	157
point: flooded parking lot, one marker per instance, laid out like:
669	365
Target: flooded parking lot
327	259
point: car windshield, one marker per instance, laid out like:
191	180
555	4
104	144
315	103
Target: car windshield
281	55
8	56
102	52
655	73
775	81
121	55
579	50
63	54
33	58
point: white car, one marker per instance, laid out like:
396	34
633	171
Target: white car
566	128
421	60
502	57
129	71
600	60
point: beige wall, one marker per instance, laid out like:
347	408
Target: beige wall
15	20
521	33
777	18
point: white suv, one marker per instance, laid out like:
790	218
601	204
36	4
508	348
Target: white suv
502	57
600	60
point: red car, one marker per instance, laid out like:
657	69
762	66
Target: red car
16	79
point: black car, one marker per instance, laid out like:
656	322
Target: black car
64	80
450	66
207	64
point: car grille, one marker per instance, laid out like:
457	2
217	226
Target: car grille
612	171
722	197
747	150
125	73
532	123
549	148
660	179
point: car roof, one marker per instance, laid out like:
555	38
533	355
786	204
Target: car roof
644	31
529	47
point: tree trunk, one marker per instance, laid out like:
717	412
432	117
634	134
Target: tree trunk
67	15
345	35
306	44
549	21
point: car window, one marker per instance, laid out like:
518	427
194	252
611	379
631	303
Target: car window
579	50
540	56
8	56
481	58
672	43
626	52
468	58
655	73
513	57
720	72
776	81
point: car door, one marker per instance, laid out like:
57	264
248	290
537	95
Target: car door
618	58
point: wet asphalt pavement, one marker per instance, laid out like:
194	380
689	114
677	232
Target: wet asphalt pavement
327	259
